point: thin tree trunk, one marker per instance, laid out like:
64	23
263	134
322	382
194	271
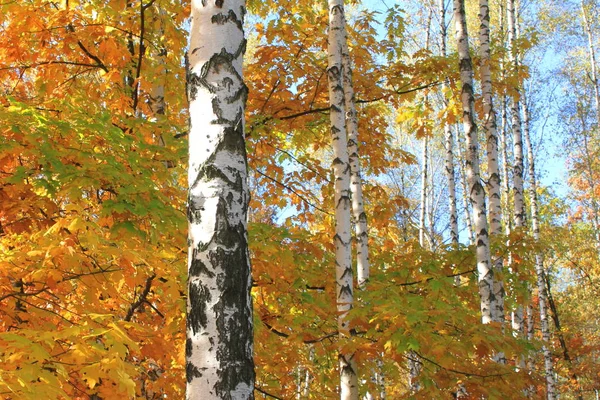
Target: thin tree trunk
495	211
465	190
219	323
519	202
539	263
518	198
341	169
505	179
360	217
592	53
561	338
477	193
424	182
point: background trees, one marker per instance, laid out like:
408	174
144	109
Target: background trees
93	188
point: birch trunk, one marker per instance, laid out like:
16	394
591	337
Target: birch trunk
465	191
594	79
489	127
519	202
539	264
477	193
358	210
341	169
424	182
592	53
219	323
449	141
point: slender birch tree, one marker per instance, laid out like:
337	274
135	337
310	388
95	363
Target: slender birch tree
358	209
518	198
489	127
465	189
477	192
592	54
341	170
539	261
449	141
424	185
219	324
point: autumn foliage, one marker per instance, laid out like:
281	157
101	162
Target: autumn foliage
93	227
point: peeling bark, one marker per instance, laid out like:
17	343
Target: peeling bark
219	324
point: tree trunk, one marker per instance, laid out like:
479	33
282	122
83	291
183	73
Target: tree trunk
519	202
449	140
539	264
341	169
594	79
477	193
358	210
424	182
489	127
219	323
561	339
592	54
465	190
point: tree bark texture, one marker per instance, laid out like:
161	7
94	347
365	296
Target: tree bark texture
465	190
424	184
219	323
539	263
519	202
592	54
449	142
476	190
341	169
358	210
489	127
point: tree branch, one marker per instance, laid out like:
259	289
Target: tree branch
141	299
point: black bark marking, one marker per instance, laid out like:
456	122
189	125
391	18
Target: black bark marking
198	268
345	289
234	308
191	372
188	347
219	3
197	317
222	19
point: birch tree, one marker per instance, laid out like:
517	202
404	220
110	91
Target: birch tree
476	190
219	325
539	262
449	141
341	169
489	127
358	210
518	198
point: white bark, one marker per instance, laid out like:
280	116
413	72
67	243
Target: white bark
465	191
424	182
495	210
594	79
539	264
592	54
477	193
341	168
519	202
358	210
219	323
